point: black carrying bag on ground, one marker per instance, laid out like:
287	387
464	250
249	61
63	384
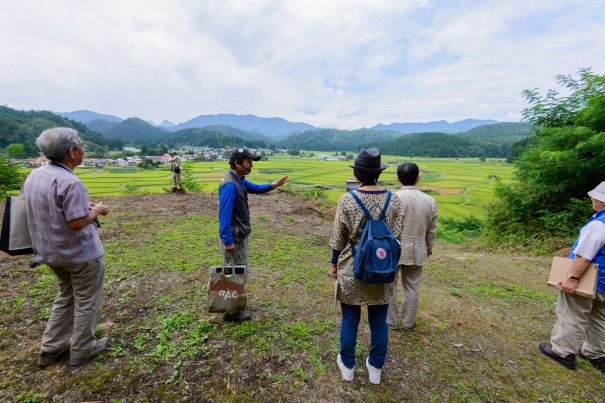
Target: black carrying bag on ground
14	236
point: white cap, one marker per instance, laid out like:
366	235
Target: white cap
598	192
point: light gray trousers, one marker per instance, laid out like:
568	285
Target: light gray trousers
580	322
176	180
410	278
75	312
240	254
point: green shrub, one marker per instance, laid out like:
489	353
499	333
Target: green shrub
188	179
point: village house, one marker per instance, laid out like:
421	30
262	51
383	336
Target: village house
40	161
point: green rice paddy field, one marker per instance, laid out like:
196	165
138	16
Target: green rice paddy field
461	186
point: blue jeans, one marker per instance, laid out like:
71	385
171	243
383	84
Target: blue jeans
377	316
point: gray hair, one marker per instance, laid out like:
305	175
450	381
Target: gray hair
55	142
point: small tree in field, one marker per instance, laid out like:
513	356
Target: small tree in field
188	179
564	160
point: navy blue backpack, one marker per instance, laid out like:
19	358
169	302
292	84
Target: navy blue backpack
375	260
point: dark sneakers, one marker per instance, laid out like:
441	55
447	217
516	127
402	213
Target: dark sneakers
45	359
99	346
568	362
598	363
236	317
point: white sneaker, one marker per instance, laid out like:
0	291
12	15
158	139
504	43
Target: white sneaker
373	372
347	373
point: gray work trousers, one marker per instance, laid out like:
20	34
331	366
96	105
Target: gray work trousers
176	180
75	312
240	254
580	322
410	279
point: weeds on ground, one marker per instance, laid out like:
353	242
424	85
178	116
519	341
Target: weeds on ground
481	316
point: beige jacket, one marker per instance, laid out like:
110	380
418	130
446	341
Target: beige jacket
419	225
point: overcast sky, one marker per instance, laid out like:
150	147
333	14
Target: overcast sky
330	63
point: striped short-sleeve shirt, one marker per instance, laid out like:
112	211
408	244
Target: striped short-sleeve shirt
55	196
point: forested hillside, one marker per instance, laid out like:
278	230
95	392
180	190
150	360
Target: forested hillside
101	126
136	131
439	145
335	140
23	127
271	127
212	138
491	141
501	130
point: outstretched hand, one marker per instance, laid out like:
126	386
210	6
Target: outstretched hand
280	182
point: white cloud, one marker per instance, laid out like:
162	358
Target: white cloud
331	63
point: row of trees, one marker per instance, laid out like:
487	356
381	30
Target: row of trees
564	160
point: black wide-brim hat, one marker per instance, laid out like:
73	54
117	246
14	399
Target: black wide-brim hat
369	161
240	153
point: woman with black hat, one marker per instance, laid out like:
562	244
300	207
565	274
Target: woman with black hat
352	294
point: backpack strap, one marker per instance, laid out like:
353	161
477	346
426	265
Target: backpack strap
365	211
363	208
386	206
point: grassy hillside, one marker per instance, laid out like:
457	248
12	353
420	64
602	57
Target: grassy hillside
481	316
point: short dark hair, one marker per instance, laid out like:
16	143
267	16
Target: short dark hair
366	178
407	173
238	161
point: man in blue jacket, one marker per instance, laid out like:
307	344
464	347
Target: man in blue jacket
234	215
580	326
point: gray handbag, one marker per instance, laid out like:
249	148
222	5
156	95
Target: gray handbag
14	237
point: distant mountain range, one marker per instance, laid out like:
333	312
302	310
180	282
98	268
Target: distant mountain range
273	128
440	126
466	138
269	127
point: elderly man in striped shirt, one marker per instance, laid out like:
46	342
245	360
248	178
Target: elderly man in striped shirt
62	224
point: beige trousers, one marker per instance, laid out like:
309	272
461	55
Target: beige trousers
75	312
580	322
176	180
410	279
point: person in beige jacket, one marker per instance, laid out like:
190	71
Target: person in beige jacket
419	231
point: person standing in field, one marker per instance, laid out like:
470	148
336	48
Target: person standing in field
234	215
349	224
175	167
419	231
64	236
580	326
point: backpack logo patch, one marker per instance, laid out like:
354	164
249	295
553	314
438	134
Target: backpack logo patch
381	253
